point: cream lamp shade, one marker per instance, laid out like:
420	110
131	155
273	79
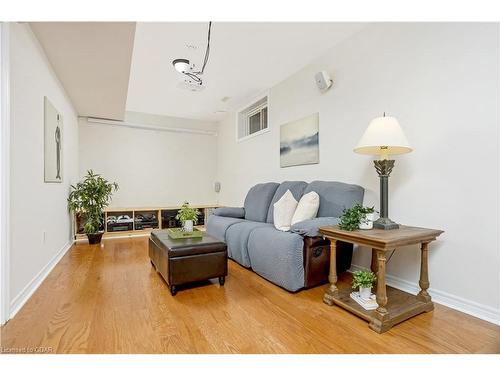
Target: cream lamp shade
383	137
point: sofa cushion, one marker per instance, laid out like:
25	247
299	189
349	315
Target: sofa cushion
278	257
307	208
237	240
334	196
284	210
296	187
258	199
217	226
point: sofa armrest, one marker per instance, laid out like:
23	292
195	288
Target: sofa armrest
236	212
310	228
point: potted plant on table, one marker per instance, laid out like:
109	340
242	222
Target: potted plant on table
89	198
363	280
188	217
357	217
367	217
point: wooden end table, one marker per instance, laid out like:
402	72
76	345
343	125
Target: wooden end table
394	305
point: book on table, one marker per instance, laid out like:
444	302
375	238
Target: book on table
367	304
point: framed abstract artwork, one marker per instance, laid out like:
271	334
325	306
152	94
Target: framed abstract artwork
53	133
299	142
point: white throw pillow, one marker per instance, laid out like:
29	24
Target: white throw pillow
307	208
284	210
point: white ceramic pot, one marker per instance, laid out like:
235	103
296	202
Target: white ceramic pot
188	226
365	293
367	222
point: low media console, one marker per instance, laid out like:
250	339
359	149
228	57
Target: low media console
139	221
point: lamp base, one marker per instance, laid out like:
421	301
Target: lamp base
385	223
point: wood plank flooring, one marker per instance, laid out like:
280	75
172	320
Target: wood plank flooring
108	299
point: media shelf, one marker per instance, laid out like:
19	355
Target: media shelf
119	222
146	220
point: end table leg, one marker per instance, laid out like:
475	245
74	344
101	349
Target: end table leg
423	295
374	263
332	290
381	313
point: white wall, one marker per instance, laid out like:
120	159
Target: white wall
441	81
40	226
4	172
152	168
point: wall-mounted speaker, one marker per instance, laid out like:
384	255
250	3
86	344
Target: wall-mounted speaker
323	80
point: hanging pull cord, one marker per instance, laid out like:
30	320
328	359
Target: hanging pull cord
207	51
195	75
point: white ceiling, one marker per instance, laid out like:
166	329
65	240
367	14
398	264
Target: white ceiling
92	60
245	59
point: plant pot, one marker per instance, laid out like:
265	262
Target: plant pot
94	238
365	293
188	226
367	221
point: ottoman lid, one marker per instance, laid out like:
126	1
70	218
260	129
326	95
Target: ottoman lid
187	246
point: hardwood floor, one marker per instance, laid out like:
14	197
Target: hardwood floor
110	300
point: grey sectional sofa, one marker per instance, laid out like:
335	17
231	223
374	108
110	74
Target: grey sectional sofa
293	260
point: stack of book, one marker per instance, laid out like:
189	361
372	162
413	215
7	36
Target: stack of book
367	304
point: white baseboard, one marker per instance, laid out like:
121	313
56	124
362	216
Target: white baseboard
466	306
19	301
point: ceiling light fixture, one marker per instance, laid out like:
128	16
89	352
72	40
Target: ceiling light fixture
185	67
181	65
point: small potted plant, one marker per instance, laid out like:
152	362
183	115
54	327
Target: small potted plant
367	217
357	217
364	281
89	198
188	217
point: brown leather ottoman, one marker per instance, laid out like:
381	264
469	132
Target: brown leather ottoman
186	260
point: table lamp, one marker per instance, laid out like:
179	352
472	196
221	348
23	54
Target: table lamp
383	137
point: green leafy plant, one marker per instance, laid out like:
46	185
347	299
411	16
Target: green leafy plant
89	197
352	217
188	213
363	279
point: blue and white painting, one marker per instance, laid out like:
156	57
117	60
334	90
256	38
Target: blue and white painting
299	142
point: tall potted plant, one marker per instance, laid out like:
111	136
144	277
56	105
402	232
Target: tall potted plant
89	198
